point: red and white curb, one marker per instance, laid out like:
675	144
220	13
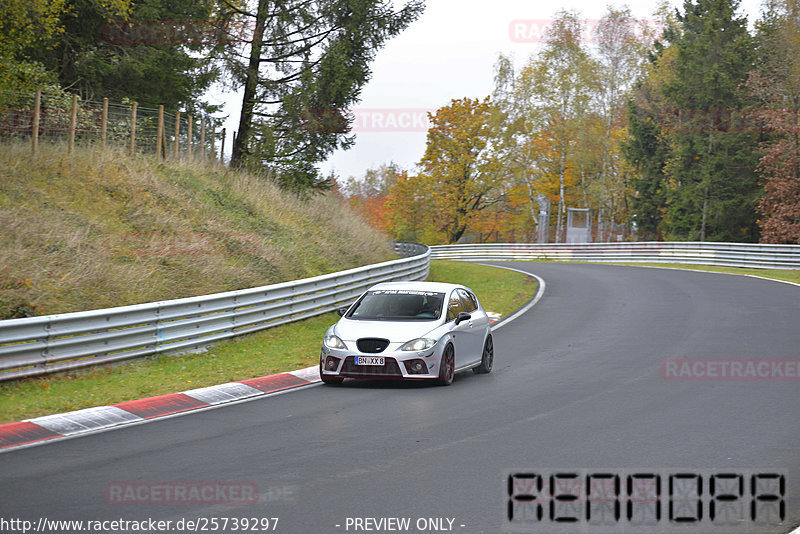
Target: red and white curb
59	426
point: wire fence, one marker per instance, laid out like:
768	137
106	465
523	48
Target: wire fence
58	117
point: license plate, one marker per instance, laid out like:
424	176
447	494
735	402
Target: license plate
369	360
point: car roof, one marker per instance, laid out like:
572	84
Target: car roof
438	287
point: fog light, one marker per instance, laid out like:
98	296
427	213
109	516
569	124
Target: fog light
331	363
416	367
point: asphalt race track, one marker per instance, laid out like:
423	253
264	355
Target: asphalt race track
578	386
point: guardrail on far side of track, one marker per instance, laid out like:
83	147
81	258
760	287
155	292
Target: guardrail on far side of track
719	254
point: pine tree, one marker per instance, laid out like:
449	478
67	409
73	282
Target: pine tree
124	49
647	146
303	67
711	181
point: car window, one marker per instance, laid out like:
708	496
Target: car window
454	307
469	300
398	305
474	299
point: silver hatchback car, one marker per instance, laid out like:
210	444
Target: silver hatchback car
409	330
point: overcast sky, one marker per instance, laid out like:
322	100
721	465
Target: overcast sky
449	52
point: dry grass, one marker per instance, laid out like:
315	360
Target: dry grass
99	229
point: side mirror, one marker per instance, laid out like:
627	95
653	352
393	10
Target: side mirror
341	311
462	316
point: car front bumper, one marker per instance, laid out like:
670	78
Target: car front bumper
397	364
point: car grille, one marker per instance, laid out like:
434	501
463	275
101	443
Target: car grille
372	345
388	369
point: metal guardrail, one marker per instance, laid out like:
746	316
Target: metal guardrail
409	249
36	346
720	254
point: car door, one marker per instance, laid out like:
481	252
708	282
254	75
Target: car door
462	340
476	326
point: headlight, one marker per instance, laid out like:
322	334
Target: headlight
419	344
333	342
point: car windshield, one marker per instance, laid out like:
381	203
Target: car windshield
398	305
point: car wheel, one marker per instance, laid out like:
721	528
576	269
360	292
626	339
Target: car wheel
447	368
488	358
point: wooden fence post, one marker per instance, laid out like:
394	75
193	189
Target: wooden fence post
213	141
222	150
202	138
72	119
160	134
37	107
176	144
133	128
104	122
189	137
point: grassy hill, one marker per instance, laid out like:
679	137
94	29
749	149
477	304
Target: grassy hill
98	229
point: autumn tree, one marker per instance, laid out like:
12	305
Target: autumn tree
515	133
547	109
28	23
460	172
369	194
522	146
561	84
620	55
409	211
25	24
776	85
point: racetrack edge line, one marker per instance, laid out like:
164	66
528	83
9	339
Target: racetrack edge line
530	304
699	271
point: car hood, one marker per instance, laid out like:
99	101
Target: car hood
394	331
